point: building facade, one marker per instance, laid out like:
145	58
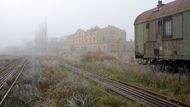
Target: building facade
109	39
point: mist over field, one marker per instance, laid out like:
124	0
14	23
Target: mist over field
94	53
20	18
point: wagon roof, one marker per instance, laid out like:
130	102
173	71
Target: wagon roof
167	9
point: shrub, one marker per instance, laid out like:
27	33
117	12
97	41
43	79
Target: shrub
97	56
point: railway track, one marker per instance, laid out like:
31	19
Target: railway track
139	95
10	74
8	65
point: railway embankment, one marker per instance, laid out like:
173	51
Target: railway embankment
46	83
175	86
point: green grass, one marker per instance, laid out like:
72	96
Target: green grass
172	85
103	97
63	88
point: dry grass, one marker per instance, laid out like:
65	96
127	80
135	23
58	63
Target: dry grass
25	92
57	87
73	91
174	85
46	83
97	56
85	93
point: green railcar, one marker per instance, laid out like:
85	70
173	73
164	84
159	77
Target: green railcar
163	33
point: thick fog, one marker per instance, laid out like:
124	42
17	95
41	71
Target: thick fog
19	19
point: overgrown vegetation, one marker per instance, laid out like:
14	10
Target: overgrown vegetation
97	56
46	83
74	91
174	85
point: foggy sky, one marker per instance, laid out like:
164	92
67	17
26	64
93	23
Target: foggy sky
19	19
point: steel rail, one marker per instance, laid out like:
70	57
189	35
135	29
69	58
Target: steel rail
144	94
138	95
8	66
5	78
19	70
150	100
7	72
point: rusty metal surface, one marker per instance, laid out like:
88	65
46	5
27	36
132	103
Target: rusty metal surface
167	9
13	72
141	96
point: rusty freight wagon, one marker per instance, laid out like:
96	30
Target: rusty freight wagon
163	33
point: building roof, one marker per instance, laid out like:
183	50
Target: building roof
80	30
91	30
111	27
164	10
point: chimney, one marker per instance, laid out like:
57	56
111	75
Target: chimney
160	4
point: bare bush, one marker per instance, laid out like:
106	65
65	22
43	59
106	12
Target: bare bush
97	56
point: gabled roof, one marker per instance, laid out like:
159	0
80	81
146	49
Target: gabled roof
93	29
167	9
80	30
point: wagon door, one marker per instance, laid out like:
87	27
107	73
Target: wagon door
159	33
139	41
152	49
